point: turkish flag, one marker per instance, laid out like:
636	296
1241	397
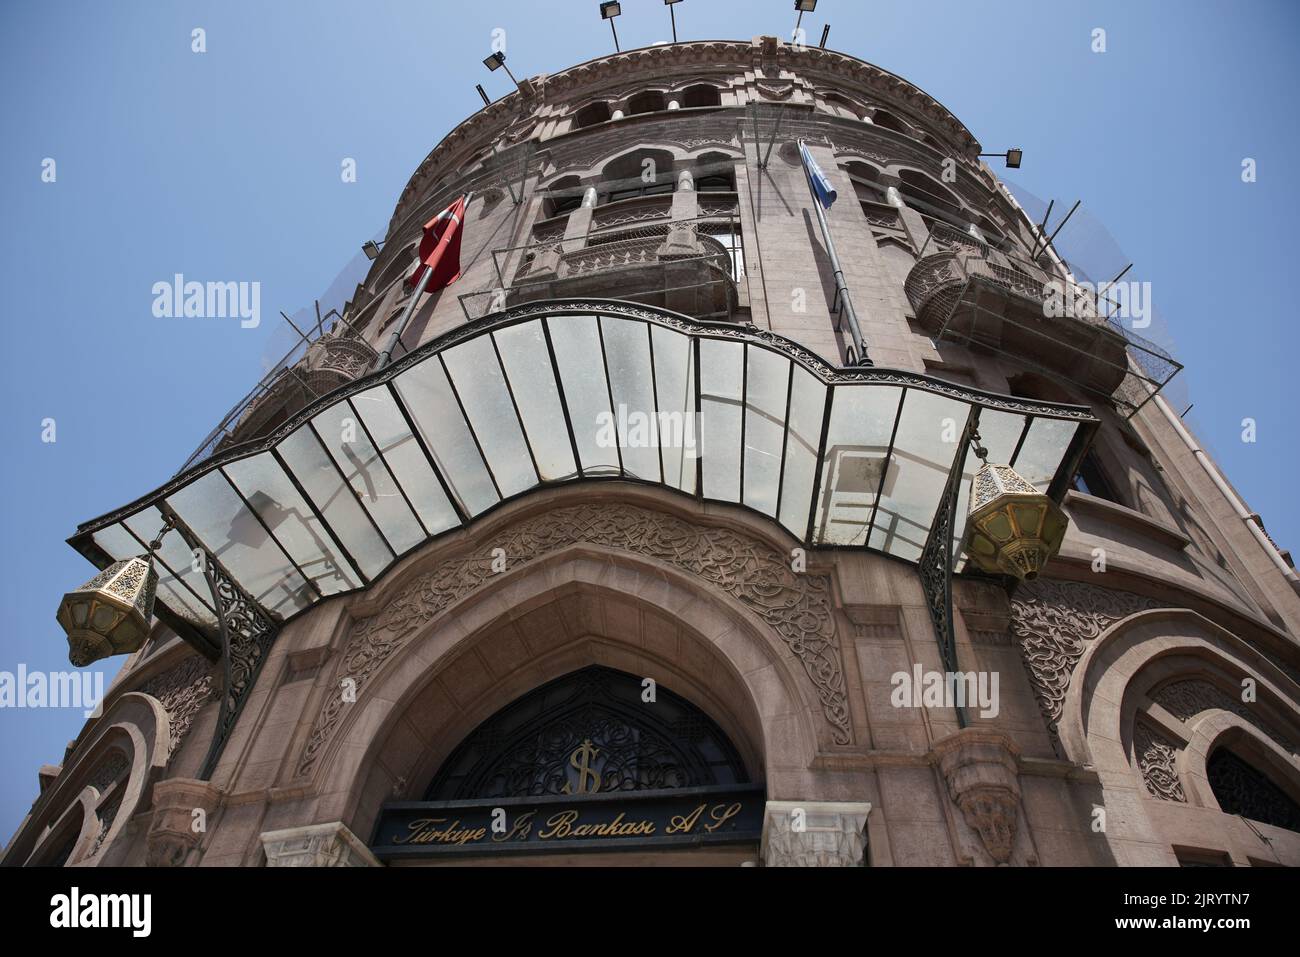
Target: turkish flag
440	248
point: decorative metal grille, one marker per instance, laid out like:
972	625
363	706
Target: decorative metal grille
589	732
1240	789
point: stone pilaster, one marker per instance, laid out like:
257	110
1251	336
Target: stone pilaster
815	834
317	845
982	772
175	830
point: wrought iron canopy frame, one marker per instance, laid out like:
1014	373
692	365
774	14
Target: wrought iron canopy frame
274	512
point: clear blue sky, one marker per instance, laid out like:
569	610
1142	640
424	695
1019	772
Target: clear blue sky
226	166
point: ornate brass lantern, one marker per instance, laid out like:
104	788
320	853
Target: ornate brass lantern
1012	529
110	614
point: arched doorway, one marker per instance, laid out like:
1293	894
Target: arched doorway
598	762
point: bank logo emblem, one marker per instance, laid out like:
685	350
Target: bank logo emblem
588	777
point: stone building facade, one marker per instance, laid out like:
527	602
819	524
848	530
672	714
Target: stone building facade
472	636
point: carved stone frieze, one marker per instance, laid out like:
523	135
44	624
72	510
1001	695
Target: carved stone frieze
182	690
796	606
1053	621
1157	758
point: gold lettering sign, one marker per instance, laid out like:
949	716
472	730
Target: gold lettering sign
711	816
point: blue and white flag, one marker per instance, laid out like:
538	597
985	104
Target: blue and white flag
821	185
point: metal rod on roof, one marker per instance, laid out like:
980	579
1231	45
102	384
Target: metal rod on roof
295	328
1049	239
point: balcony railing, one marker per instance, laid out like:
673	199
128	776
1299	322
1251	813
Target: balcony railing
321	361
691	266
963	289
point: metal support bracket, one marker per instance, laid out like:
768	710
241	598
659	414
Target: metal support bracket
247	633
935	566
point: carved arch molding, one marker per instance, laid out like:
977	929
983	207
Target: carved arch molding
796	606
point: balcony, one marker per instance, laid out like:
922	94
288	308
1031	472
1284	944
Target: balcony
312	368
964	290
632	252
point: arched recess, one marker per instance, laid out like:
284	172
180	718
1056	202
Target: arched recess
109	782
427	677
1149	701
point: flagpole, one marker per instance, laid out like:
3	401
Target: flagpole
386	356
841	288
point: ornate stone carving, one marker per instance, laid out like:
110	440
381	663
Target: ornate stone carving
1157	760
172	832
980	768
815	834
1053	621
317	845
796	606
1188	697
182	690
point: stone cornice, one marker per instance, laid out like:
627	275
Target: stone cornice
739	56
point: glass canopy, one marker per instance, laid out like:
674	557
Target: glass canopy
563	391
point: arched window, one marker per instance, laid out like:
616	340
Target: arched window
842	106
928	195
649	101
625	177
591	114
715	173
1240	788
1091	479
562	196
889	121
586	733
701	94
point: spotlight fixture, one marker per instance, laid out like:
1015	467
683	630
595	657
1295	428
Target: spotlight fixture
608	11
1012	156
670	4
371	249
803	6
496	61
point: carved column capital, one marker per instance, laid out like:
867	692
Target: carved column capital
317	845
815	834
982	772
175	830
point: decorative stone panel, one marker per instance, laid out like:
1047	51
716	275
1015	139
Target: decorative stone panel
317	845
173	832
815	834
796	606
1157	759
982	773
1053	621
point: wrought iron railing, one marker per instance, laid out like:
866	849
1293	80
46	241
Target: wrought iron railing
696	264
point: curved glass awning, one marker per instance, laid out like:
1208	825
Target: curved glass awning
569	390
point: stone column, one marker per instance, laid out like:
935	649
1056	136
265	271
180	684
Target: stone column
317	845
176	829
815	834
982	771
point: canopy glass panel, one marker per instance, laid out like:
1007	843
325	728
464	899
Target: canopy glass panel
556	392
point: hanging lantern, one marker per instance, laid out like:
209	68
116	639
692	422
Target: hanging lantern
110	614
1013	529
